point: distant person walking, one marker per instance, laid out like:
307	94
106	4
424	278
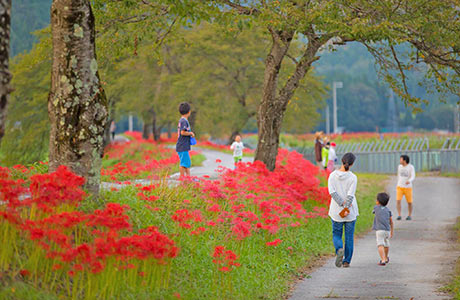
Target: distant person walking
318	148
237	147
343	209
113	127
332	157
406	175
184	132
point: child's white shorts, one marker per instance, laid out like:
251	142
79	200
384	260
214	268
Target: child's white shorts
383	238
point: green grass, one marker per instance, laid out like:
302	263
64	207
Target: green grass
453	287
19	290
265	272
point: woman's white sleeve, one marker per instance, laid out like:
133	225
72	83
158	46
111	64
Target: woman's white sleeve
352	189
333	192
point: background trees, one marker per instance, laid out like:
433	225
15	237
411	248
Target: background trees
155	54
380	26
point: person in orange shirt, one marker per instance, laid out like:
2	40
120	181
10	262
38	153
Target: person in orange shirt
406	175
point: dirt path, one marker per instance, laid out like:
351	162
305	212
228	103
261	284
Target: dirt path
420	252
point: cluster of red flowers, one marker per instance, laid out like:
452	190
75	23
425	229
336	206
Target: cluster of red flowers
225	259
251	198
45	211
138	158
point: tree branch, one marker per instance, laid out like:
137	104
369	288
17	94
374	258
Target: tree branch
242	10
400	68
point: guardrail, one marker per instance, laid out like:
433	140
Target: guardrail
383	156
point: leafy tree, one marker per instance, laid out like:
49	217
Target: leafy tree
27	130
379	25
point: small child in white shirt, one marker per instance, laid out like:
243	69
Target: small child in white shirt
237	148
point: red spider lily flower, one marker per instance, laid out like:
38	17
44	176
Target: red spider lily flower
226	260
275	242
24	273
177	295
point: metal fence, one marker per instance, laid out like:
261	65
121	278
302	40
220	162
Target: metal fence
383	156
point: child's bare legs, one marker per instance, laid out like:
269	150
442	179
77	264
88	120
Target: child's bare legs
382	253
409	206
398	207
387	251
183	172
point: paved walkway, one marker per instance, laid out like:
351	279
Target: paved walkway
420	252
214	159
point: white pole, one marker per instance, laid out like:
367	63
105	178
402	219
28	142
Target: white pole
334	107
328	120
335	85
130	122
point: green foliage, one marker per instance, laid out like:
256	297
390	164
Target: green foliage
27	128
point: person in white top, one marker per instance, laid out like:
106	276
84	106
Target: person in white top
332	157
237	148
406	175
343	209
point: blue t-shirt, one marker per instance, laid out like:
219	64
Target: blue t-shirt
183	142
382	218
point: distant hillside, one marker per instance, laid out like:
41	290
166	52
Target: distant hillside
27	16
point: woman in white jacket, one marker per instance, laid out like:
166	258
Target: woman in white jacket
342	187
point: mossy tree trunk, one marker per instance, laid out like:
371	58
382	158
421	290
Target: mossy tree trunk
77	104
5	75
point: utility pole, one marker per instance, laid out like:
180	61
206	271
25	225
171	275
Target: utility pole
335	85
328	121
457	118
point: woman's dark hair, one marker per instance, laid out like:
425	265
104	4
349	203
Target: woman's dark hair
184	108
405	158
383	198
347	160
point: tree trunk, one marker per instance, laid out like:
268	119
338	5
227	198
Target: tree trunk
146	130
155	128
5	75
269	116
77	104
110	118
169	126
273	105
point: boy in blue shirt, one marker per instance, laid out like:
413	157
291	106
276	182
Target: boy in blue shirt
383	226
184	132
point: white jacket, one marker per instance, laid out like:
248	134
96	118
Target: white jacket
344	184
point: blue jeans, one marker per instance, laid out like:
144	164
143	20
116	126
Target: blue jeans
337	233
